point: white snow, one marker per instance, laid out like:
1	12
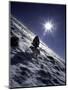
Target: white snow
27	70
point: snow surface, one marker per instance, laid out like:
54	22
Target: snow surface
29	68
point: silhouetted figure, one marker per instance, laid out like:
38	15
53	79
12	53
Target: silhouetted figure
14	41
35	42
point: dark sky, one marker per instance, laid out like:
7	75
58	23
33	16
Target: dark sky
33	15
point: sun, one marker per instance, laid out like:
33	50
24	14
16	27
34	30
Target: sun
48	26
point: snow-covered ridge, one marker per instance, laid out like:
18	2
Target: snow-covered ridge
27	69
20	25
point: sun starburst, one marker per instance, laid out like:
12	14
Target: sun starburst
48	26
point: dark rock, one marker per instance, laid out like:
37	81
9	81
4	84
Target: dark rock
44	74
56	81
51	59
19	79
56	67
14	41
44	81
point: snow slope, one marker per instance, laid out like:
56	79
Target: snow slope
29	67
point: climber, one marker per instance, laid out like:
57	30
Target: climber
35	42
